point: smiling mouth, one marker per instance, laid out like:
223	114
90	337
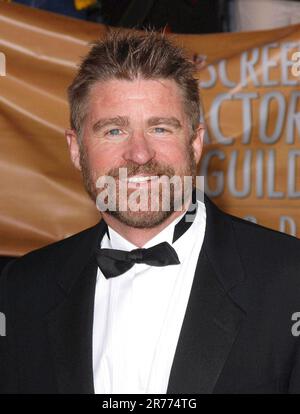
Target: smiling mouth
138	179
141	178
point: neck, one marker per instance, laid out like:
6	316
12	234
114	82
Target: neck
136	236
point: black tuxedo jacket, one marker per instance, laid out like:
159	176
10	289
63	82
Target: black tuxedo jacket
237	331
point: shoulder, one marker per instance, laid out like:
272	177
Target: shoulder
260	238
249	235
46	261
267	254
262	251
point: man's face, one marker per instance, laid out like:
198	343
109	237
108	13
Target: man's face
140	125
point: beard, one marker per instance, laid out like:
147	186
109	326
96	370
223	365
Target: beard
148	217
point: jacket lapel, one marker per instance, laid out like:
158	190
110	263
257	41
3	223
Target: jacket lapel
70	324
212	318
209	329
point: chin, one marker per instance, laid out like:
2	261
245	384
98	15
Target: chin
141	219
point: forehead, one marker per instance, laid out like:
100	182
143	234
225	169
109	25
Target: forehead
161	97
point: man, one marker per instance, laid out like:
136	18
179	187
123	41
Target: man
184	299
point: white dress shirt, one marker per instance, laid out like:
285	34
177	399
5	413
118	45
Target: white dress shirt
138	315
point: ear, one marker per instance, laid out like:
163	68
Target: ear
198	142
72	141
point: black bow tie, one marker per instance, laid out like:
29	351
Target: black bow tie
114	262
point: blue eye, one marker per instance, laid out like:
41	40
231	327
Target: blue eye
159	130
115	132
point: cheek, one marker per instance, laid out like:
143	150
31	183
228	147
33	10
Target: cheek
174	154
101	160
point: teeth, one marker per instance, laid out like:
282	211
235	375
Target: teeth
139	179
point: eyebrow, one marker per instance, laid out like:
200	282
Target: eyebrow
120	121
172	121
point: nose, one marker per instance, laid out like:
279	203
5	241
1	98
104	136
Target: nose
139	149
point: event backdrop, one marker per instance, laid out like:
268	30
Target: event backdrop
251	103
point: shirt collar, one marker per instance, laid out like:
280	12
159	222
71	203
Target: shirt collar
181	245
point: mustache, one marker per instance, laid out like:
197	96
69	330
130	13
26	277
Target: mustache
151	168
